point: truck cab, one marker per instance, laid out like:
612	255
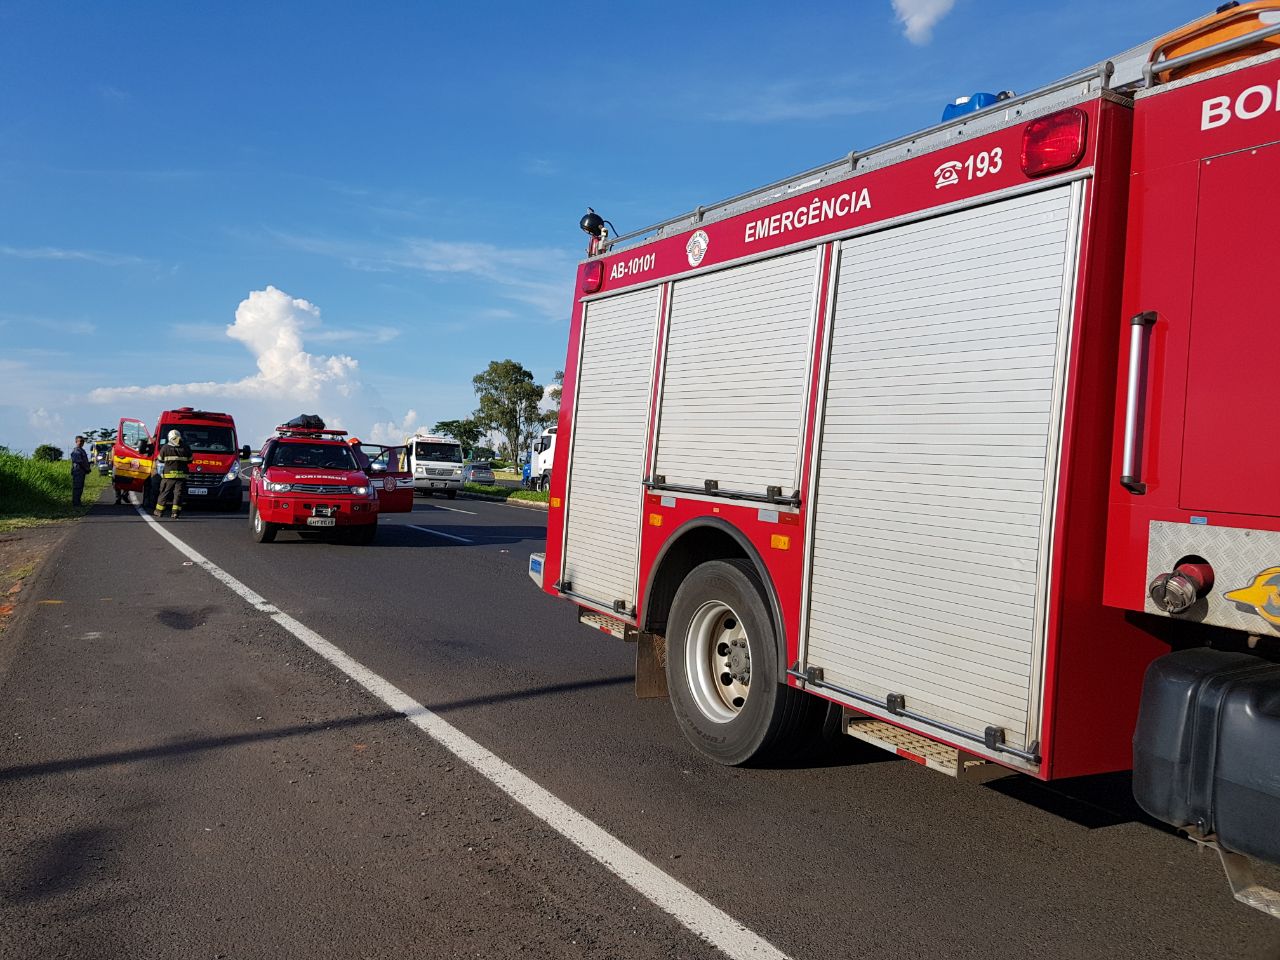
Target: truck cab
436	464
214	474
536	470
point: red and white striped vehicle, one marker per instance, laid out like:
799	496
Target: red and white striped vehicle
957	439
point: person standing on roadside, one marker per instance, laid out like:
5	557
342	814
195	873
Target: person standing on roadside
175	457
79	470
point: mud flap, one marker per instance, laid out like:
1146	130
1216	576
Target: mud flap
651	666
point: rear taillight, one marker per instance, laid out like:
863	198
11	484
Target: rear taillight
1054	143
593	276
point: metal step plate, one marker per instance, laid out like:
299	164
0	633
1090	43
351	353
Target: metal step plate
606	624
929	753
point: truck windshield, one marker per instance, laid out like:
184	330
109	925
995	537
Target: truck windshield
438	452
207	439
326	456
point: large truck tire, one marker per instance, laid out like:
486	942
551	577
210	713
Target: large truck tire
723	675
263	532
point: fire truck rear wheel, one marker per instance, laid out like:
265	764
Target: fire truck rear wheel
263	532
722	669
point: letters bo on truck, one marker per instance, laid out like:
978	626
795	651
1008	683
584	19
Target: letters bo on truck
938	443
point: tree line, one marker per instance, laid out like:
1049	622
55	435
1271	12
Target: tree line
509	403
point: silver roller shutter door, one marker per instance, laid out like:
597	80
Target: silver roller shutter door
938	454
610	418
736	368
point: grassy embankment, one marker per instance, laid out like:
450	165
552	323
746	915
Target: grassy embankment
35	491
506	493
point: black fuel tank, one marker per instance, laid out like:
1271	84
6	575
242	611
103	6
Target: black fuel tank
1206	751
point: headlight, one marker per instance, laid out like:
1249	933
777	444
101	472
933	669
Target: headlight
457	473
234	471
420	470
360	491
276	487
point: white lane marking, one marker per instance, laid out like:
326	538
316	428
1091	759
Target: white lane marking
438	533
436	506
695	912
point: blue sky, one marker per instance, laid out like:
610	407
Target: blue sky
350	209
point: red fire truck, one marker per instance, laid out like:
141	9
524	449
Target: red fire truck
214	474
948	440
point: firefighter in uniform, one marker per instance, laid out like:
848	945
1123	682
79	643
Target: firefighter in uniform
175	457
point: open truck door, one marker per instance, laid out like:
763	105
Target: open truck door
389	473
132	456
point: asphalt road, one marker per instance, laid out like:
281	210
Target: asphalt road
181	777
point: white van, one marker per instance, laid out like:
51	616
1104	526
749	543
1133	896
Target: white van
436	463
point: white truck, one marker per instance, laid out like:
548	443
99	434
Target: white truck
537	467
436	463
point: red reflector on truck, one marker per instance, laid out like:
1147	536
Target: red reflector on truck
1054	143
593	276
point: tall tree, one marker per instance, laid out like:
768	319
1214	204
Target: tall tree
508	402
467	432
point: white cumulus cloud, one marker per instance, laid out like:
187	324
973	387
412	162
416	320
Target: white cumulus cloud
271	325
918	17
392	432
47	424
274	329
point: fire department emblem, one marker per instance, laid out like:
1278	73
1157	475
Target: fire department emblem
947	175
389	484
696	248
1263	595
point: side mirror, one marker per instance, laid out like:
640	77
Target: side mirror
255	460
245	452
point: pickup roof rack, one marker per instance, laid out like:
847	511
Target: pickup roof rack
285	430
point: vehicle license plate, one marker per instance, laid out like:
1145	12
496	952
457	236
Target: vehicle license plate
197	491
321	522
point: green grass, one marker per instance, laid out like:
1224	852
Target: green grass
35	491
506	493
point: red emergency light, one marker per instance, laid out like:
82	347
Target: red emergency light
593	276
1053	143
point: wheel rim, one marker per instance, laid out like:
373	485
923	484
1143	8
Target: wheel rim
718	661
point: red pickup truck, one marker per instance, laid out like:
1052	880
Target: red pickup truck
314	479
